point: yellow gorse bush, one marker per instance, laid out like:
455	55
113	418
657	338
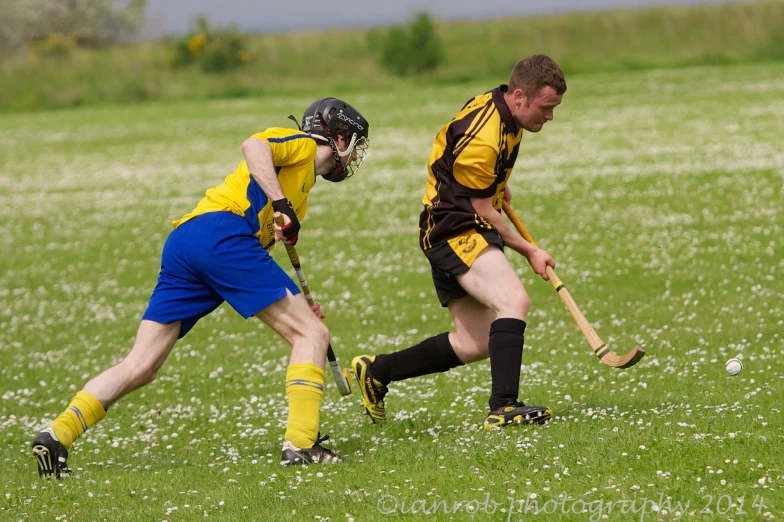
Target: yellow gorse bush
56	44
196	43
213	51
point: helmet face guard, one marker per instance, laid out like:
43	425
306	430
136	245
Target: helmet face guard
353	156
327	118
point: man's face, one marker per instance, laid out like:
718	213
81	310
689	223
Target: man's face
351	161
532	112
342	146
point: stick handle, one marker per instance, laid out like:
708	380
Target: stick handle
519	225
294	258
590	334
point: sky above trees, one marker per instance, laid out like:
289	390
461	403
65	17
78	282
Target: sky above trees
176	16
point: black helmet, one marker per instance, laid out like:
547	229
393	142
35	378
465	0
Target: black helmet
327	118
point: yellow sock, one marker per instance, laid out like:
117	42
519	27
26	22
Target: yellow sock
305	389
83	412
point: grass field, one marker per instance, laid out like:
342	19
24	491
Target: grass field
658	193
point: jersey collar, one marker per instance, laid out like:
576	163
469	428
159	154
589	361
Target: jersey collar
503	108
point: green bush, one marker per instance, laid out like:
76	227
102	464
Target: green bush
214	51
410	49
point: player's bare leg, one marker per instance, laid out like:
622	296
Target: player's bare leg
154	341
433	355
493	283
467	344
472	322
489	321
293	319
153	344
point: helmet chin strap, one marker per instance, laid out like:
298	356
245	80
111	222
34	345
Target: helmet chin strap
350	147
340	171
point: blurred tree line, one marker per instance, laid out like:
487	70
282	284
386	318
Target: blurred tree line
216	62
63	23
56	27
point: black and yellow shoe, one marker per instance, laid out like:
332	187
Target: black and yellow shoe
373	391
517	413
50	455
293	455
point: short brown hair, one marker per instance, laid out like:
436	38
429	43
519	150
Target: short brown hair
533	73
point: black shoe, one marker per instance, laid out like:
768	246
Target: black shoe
50	455
373	391
517	413
293	455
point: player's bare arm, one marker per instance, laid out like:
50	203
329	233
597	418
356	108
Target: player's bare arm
537	258
258	156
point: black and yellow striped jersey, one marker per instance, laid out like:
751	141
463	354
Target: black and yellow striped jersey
472	157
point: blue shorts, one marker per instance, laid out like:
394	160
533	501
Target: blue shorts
210	259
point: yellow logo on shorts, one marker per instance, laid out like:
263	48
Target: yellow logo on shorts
468	243
468	246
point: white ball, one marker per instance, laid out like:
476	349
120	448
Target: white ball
733	366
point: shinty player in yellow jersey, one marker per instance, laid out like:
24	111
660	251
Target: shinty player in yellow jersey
462	234
219	252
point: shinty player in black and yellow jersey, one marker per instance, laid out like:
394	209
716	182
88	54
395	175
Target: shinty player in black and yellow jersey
219	252
462	234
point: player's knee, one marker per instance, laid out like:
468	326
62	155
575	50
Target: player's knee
314	332
148	377
514	304
321	335
144	376
138	375
523	304
470	349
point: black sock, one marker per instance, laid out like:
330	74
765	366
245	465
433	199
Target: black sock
506	354
433	355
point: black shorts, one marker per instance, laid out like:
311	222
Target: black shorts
455	256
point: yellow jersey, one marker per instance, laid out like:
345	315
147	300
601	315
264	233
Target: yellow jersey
472	157
294	154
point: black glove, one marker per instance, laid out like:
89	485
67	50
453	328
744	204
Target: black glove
290	230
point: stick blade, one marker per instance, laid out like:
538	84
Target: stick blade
623	361
342	379
348	381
